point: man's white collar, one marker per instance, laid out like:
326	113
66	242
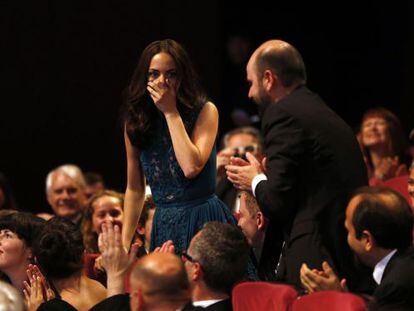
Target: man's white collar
380	267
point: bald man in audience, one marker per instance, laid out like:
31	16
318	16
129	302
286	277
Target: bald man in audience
159	282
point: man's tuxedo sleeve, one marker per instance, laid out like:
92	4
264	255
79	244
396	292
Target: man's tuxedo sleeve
285	151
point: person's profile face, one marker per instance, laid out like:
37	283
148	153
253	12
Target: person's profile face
148	226
247	222
356	245
163	71
257	93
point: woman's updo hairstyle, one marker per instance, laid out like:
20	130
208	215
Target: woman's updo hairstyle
59	249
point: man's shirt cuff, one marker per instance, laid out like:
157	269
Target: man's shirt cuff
256	180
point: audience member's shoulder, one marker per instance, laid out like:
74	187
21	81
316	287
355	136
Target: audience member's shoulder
96	288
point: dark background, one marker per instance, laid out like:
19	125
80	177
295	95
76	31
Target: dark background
65	63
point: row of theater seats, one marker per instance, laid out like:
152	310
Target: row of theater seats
261	296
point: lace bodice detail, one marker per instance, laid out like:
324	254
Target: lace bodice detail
165	176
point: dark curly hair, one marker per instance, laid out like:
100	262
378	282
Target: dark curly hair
59	249
139	111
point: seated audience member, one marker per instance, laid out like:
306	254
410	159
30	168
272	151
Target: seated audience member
215	261
411	184
18	232
94	183
158	280
384	145
264	239
379	223
144	227
10	298
7	200
105	206
59	253
65	191
235	144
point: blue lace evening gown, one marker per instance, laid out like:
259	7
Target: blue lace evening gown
183	205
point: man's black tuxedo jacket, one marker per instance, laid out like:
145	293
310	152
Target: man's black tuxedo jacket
313	164
396	291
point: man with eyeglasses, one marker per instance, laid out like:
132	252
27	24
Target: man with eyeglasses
215	260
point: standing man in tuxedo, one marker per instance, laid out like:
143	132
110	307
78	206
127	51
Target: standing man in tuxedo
313	164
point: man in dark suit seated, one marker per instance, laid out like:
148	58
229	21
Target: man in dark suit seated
264	238
215	260
379	223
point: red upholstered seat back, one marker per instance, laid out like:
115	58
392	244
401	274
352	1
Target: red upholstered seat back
329	300
251	296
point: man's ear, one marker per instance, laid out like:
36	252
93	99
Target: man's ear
197	272
269	80
260	220
368	239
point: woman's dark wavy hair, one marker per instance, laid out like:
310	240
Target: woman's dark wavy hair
59	249
26	226
139	111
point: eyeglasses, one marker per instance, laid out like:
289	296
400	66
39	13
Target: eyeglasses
185	257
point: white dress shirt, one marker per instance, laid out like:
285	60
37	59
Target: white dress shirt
205	303
380	267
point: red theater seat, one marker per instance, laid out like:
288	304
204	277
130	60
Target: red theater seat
329	300
251	296
399	184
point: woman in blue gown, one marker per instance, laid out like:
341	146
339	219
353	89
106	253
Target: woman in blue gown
170	133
